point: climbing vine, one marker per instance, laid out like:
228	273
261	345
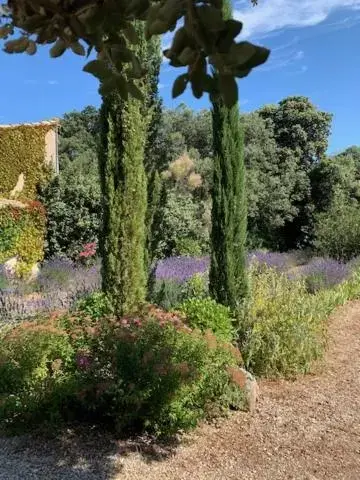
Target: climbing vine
22	151
22	231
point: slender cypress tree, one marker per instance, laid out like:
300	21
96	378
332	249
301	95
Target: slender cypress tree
228	283
125	127
151	160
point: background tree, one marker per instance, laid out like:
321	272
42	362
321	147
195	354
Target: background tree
229	215
272	176
300	130
72	199
79	139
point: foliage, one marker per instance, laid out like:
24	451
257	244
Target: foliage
181	269
96	305
274	184
205	314
166	294
282	327
74	213
78	143
124	190
337	231
22	232
196	287
324	273
146	372
227	277
59	285
301	132
151	160
22	151
204	37
184	229
171	292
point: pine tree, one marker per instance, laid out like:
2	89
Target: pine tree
228	283
125	126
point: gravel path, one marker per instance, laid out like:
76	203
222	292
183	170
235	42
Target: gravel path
308	429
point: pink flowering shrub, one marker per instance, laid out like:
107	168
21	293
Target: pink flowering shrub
146	372
88	253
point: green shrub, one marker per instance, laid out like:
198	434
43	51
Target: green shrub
96	305
337	231
205	314
282	327
196	287
74	212
145	372
35	359
166	293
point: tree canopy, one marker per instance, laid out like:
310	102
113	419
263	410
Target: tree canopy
202	38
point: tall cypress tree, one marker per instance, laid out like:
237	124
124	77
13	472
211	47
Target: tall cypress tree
124	133
151	160
228	283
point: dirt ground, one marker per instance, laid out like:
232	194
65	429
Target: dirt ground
305	429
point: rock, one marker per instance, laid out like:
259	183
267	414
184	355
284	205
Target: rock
34	272
10	266
247	382
251	389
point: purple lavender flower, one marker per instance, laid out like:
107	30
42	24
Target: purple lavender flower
180	269
322	273
276	260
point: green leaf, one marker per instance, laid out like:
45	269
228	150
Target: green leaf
131	34
187	56
260	56
34	22
77	48
226	37
98	68
180	85
108	86
17	46
5	30
135	91
121	54
32	48
58	48
180	41
228	89
158	27
240	53
242	72
211	17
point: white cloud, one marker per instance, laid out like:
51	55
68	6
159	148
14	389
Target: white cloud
299	55
271	15
53	82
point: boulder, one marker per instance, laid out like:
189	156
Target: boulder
246	381
10	266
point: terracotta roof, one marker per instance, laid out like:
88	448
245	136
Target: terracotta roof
54	121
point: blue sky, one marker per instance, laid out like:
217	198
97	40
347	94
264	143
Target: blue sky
314	53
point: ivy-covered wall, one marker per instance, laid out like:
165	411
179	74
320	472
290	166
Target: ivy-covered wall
23	166
22	151
22	231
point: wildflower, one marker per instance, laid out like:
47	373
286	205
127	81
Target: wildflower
83	360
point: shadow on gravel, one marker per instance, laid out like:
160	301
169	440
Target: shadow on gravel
75	454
